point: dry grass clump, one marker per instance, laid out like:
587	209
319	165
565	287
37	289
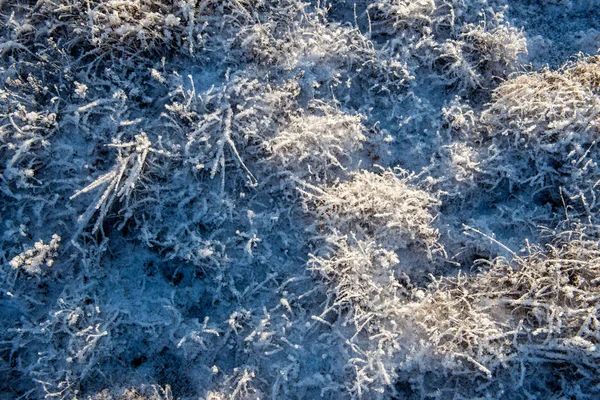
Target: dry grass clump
144	392
401	15
495	51
467	45
374	235
548	109
127	32
155	26
227	125
142	24
541	130
587	72
114	29
362	276
526	325
318	144
295	39
382	207
25	127
412	19
480	56
322	54
364	290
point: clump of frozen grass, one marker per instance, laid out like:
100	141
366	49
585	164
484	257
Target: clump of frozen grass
127	30
24	131
361	276
414	19
64	348
403	15
468	45
318	144
480	56
227	125
495	51
587	72
300	40
516	323
32	260
384	207
120	181
364	290
548	109
541	130
237	386
323	55
368	230
498	48
143	392
144	25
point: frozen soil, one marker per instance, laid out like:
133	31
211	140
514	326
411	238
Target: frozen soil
556	31
370	199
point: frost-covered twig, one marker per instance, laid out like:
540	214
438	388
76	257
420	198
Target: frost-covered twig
120	182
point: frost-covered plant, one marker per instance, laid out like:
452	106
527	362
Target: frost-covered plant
143	25
456	67
238	386
296	39
39	255
467	44
368	230
517	324
361	276
541	131
548	109
413	19
366	292
144	392
403	15
24	131
319	143
120	181
227	125
383	207
480	56
495	51
322	55
125	30
61	350
587	72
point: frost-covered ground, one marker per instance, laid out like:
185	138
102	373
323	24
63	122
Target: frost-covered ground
276	199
